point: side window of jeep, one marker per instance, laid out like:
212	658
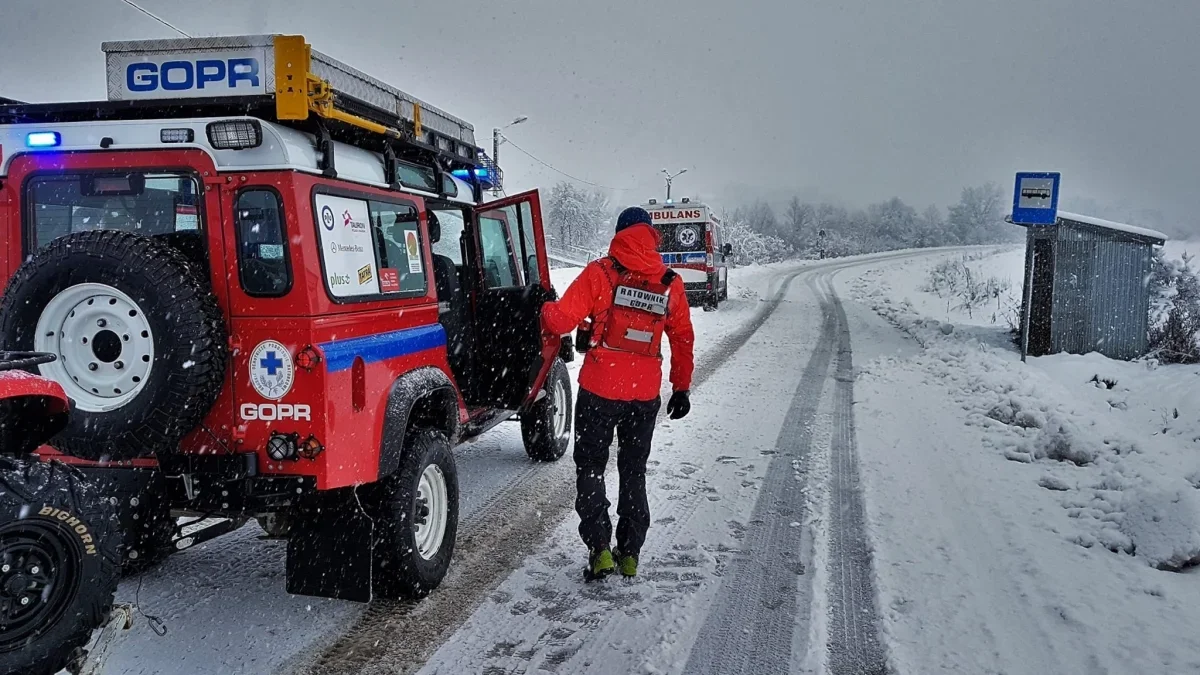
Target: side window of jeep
370	248
262	245
398	248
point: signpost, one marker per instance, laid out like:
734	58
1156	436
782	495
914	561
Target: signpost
1035	199
1035	203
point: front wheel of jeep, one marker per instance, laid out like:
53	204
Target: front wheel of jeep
546	424
60	552
417	519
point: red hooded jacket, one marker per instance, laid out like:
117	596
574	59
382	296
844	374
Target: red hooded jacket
616	375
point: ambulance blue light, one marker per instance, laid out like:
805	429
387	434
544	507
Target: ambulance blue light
43	139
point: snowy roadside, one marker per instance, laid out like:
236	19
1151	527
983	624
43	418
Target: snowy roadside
1018	512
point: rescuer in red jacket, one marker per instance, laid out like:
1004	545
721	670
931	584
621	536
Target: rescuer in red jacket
629	300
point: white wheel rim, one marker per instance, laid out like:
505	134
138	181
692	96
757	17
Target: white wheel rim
560	409
103	342
433	511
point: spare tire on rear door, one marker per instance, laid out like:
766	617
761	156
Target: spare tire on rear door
140	340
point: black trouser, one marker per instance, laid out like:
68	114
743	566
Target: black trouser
595	419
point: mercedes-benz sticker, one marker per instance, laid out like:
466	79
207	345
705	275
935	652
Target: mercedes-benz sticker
686	236
271	370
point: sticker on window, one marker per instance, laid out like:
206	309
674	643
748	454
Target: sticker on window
346	246
389	280
687	236
413	248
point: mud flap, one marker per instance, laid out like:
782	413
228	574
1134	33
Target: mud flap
329	550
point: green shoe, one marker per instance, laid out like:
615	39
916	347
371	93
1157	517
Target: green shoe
627	564
600	565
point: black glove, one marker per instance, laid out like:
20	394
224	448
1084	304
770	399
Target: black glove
541	295
679	405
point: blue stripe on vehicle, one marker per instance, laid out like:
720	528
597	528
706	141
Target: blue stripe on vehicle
683	258
340	354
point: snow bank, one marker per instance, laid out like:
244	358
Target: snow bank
1121	435
1163	522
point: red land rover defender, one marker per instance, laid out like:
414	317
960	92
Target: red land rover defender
271	291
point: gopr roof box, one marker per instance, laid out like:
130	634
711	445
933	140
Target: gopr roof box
245	65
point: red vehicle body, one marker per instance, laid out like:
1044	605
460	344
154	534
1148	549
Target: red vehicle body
364	346
361	338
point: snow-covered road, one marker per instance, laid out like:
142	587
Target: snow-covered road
843	499
224	603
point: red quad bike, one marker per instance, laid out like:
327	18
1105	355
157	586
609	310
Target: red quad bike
59	538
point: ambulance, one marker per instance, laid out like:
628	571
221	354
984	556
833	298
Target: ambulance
693	245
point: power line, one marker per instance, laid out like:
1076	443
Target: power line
154	16
554	168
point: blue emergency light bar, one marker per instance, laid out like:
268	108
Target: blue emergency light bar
481	174
43	139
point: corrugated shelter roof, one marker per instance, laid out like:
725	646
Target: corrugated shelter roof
1158	237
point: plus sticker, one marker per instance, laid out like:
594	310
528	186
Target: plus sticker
271	370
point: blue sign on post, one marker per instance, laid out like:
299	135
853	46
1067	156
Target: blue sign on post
1035	199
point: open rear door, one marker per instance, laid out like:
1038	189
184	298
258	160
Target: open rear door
514	355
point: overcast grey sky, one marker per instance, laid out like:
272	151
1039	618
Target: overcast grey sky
857	100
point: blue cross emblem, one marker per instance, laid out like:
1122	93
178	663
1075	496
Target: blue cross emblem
271	363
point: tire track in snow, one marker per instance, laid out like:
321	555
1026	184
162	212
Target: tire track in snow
854	639
752	624
397	637
490	545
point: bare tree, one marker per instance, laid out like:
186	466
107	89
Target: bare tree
800	219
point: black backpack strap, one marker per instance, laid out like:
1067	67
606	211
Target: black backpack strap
617	266
669	277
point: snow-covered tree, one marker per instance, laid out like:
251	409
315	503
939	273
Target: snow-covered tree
751	246
576	217
892	224
759	217
978	217
799	220
1174	310
931	228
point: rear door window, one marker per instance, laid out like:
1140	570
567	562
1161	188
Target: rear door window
681	237
144	203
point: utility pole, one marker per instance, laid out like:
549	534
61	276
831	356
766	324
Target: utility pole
498	138
671	177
